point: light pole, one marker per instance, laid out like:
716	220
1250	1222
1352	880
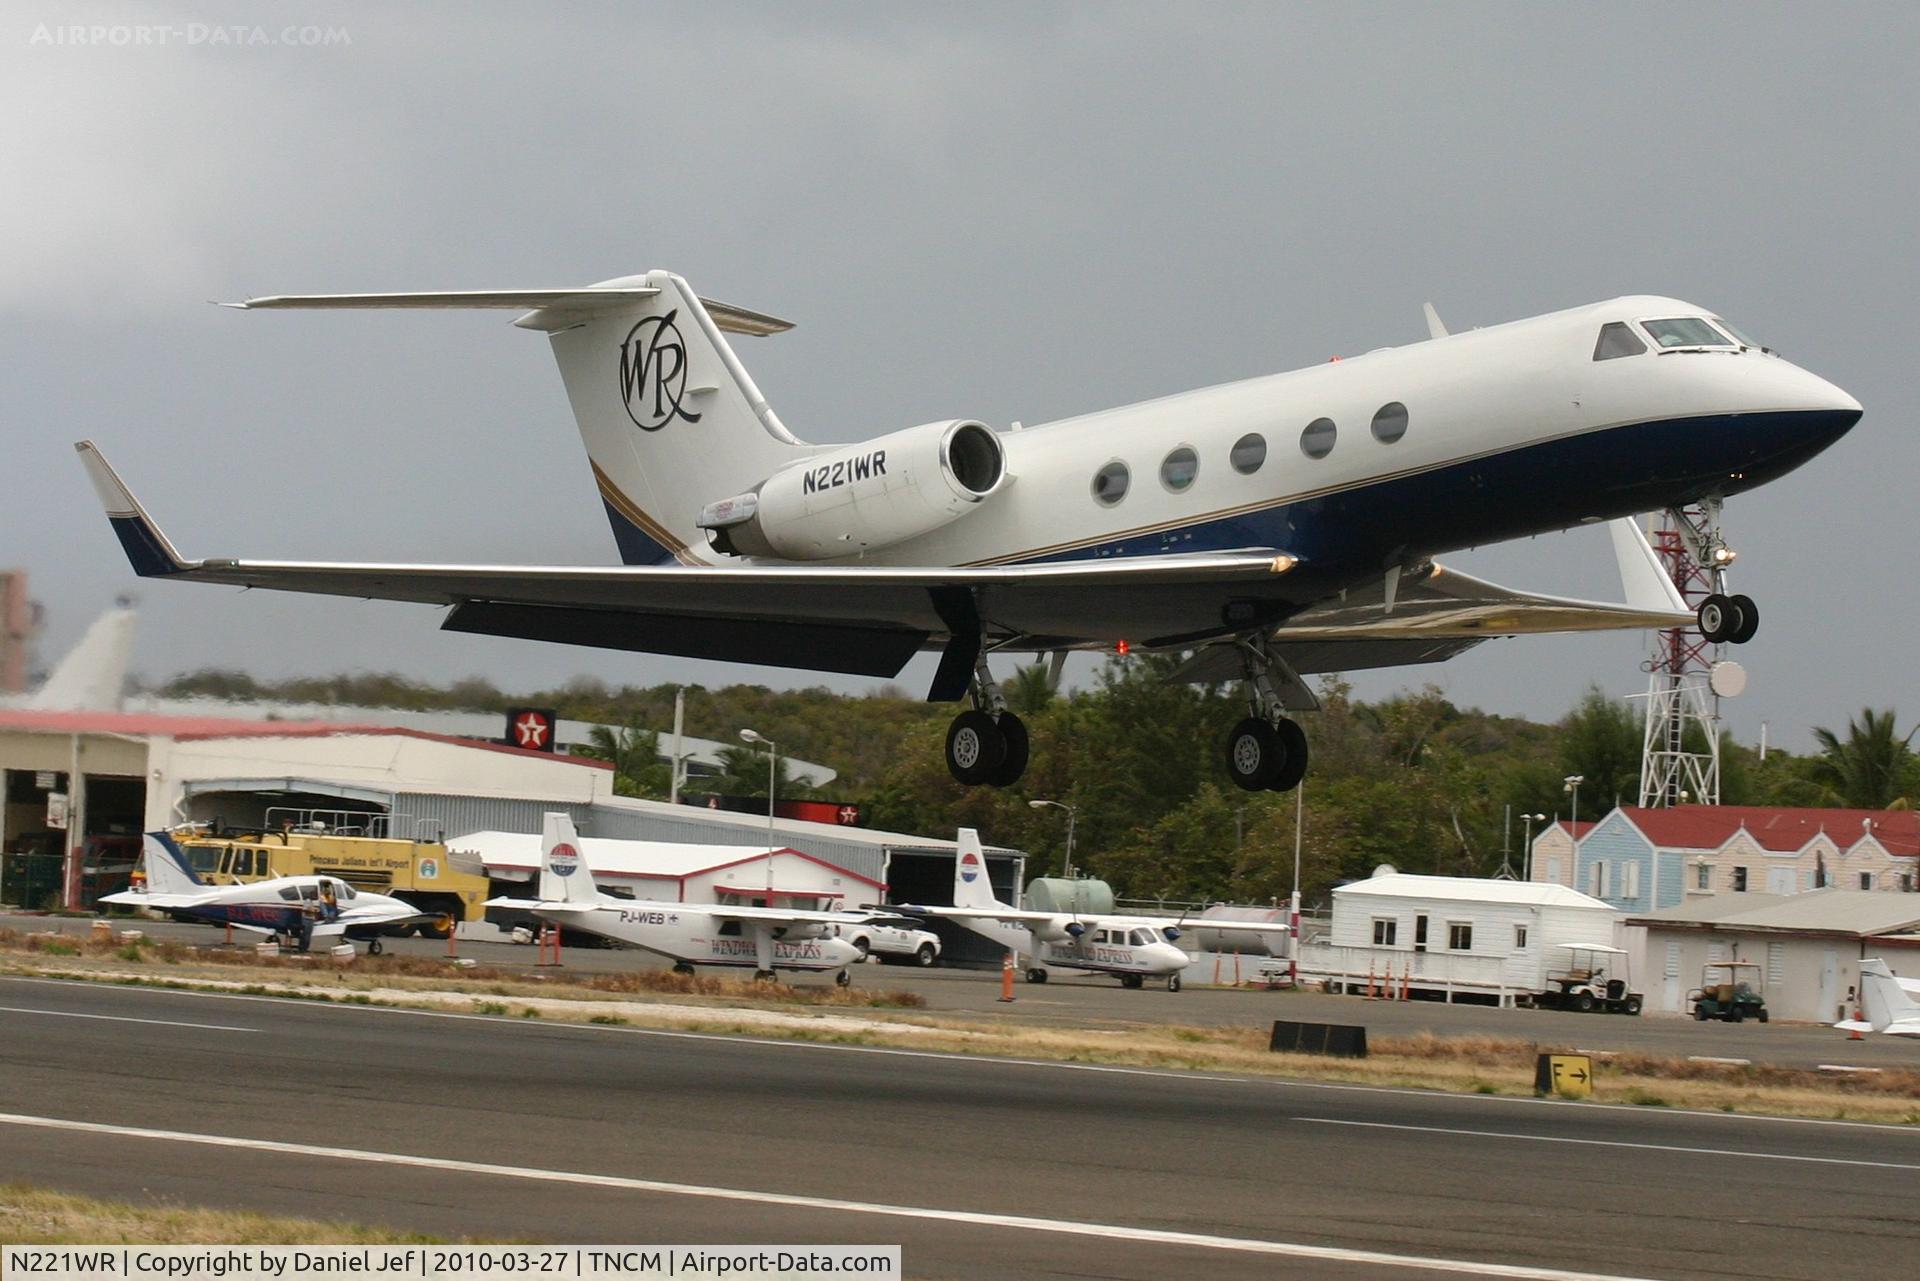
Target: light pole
773	757
1526	858
1573	782
1073	812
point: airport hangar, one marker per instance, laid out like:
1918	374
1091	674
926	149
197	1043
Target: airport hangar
142	772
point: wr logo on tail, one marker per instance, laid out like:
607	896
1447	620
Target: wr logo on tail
653	373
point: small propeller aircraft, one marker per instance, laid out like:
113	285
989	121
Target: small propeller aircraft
763	938
295	909
1132	948
1889	1002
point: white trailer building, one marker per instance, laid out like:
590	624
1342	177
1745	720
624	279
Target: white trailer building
1454	934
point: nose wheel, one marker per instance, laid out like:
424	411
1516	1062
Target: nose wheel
1732	620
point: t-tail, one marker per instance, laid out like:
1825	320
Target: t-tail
669	416
971	886
564	874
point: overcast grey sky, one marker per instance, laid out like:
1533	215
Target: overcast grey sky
998	211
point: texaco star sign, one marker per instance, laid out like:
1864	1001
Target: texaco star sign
532	729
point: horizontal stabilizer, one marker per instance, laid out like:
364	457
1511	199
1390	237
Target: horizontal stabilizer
569	305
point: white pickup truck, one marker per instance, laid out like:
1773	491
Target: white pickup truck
893	939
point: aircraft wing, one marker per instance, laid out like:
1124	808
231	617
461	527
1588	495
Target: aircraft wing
1005	915
158	902
863	620
1440	612
776	915
554	907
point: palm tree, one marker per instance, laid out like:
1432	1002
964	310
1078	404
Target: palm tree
1031	688
743	772
1871	768
634	753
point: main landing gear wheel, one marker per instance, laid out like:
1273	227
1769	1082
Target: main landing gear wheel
1255	754
683	969
1266	757
1131	981
763	976
1036	975
375	947
1293	741
1013	732
976	748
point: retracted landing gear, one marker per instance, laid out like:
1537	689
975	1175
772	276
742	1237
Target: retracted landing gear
987	743
1267	752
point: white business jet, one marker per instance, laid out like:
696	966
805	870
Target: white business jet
763	939
1889	1002
1275	528
1132	948
300	910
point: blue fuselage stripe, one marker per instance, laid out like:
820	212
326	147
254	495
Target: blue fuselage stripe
1533	489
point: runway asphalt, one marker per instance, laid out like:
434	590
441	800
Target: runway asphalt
620	1135
1099	1002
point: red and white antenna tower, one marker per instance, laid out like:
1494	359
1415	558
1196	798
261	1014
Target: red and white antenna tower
1687	677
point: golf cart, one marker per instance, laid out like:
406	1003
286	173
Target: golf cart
1588	982
1729	991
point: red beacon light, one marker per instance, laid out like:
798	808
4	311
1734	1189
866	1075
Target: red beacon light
1122	647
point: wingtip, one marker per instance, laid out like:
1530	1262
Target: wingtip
148	550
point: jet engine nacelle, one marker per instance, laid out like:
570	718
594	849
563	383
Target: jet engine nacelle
859	497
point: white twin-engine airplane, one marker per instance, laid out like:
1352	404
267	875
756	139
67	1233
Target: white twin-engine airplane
763	939
295	909
1276	527
1132	948
1888	1002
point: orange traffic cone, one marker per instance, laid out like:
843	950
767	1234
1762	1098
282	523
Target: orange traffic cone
1006	977
1859	1017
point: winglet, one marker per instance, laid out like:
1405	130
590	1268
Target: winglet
1434	328
1643	580
149	550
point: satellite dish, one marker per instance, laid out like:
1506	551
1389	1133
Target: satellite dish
1386	869
1727	679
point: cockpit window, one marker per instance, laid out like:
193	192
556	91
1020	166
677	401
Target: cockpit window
1742	338
1685	331
1616	340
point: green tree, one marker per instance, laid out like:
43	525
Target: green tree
1872	768
743	772
1601	741
634	754
1031	689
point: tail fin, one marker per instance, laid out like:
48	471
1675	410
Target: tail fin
670	419
168	871
971	885
564	874
1885	1001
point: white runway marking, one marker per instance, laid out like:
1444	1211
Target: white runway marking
1015	1222
1607	1143
122	1018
